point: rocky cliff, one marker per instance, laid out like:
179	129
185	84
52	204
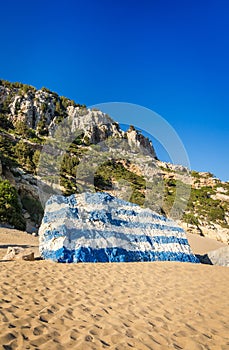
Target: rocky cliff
43	110
101	157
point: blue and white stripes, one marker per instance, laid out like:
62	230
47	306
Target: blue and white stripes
97	227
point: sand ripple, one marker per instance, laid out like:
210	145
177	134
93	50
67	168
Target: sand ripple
163	306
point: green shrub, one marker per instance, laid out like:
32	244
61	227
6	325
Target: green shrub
21	128
22	151
69	185
115	171
42	127
46	90
202	204
5	123
4	106
86	141
137	198
10	209
28	88
190	219
195	174
6	151
216	213
69	164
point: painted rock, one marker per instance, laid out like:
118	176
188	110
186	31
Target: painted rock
97	227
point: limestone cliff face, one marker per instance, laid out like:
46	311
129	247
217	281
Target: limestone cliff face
43	111
138	141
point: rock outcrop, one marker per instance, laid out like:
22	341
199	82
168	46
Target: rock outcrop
43	111
97	227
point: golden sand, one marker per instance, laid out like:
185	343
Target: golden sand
158	305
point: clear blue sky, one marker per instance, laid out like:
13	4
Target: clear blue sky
169	56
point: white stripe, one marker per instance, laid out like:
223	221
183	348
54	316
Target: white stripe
51	208
78	226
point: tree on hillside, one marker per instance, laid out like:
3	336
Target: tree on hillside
10	209
22	152
5	123
22	128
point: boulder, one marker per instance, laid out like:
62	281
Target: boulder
12	252
27	256
19	253
97	227
219	256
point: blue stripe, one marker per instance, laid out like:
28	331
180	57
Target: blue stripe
106	218
75	234
142	214
84	254
103	198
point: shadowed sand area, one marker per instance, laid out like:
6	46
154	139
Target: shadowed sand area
158	305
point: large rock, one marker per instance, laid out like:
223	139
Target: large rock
219	256
97	227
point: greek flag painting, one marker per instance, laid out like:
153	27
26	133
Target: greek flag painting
97	227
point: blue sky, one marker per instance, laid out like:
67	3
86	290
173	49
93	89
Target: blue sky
169	56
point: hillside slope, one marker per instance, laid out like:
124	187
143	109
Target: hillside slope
50	144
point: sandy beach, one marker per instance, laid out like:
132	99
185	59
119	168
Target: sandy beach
158	305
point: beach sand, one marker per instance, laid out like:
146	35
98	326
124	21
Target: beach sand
158	305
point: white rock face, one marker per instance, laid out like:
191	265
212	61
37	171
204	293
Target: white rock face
96	124
138	141
97	227
221	197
